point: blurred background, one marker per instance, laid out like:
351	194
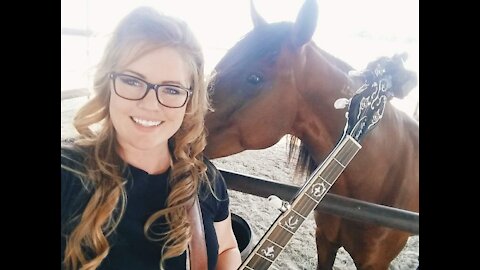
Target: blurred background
356	31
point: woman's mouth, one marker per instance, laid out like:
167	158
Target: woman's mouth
146	123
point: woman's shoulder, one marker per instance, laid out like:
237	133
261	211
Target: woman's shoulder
74	190
214	176
210	166
72	166
214	196
215	183
72	156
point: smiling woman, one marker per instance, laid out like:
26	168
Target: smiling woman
137	192
145	124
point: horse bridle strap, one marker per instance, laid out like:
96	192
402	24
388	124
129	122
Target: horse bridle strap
197	250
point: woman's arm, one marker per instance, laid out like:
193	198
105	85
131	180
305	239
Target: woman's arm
228	253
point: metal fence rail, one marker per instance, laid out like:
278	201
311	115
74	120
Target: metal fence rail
74	93
333	204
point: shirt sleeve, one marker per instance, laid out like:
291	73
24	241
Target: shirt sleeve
220	189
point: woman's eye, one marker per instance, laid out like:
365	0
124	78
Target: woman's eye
132	82
171	90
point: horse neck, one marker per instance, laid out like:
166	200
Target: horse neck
388	152
321	79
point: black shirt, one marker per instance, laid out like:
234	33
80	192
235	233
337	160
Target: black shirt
146	194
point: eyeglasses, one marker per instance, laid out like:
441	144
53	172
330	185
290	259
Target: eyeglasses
133	88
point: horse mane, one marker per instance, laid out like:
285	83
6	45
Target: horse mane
260	42
334	61
305	164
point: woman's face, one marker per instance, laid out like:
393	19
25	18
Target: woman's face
146	124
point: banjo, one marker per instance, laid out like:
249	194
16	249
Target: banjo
365	109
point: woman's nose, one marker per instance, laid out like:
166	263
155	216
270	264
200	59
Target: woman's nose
150	101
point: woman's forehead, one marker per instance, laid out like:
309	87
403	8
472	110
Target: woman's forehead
157	63
137	50
131	52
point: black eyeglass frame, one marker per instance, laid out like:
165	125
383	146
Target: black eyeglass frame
114	75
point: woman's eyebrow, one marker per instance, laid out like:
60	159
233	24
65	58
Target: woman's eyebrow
173	82
163	82
136	73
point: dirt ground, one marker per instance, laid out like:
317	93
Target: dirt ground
300	253
271	163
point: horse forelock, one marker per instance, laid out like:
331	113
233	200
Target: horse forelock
256	44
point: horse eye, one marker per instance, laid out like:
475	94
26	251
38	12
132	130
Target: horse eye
254	79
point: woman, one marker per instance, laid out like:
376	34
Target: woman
133	176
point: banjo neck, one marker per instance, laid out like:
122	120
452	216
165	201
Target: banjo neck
308	197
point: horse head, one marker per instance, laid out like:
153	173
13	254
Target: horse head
261	82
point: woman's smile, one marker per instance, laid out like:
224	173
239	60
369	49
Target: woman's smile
146	123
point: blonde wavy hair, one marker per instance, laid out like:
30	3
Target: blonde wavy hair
138	33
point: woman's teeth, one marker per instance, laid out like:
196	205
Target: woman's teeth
146	123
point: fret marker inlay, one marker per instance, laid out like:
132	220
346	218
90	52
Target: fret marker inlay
318	189
269	252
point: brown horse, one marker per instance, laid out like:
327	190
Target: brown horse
276	81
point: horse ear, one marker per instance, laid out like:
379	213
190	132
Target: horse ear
256	18
305	23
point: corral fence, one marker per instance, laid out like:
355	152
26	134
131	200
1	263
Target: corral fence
332	204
